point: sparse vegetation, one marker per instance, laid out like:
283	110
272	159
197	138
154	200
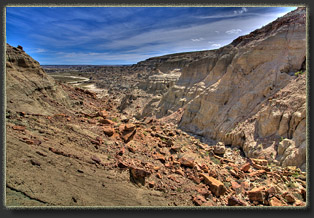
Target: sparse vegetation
299	73
291	184
115	119
215	160
227	184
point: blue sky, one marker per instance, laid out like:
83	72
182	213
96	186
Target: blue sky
126	35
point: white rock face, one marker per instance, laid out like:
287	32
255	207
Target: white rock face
246	94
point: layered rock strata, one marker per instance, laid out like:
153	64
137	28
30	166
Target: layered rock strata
250	93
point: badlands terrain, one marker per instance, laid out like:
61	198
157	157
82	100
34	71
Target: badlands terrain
223	127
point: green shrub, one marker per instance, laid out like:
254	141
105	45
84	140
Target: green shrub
299	73
115	119
215	160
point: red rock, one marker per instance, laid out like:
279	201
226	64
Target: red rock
245	167
121	128
61	115
216	187
275	202
186	162
131	148
103	114
99	139
56	151
288	197
303	193
160	157
121	151
106	121
208	204
156	168
197	167
175	148
245	185
257	173
108	130
204	167
256	194
41	154
151	184
138	175
94	141
173	178
233	201
204	191
233	173
261	162
212	173
299	203
158	175
121	164
19	128
29	141
35	162
22	113
127	136
129	127
195	179
91	121
168	165
96	159
271	191
198	200
235	186
180	172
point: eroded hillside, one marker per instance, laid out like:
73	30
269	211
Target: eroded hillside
251	93
67	146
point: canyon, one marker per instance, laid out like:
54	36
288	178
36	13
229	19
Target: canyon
224	127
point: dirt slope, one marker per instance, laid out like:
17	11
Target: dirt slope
76	149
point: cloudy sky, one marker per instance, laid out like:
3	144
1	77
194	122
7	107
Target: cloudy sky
126	35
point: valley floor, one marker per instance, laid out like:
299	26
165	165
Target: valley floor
91	157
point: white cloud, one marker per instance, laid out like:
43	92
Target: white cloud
40	50
216	45
153	42
233	31
241	11
197	40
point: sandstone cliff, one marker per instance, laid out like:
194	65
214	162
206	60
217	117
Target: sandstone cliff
247	94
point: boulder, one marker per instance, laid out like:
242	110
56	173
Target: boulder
219	148
257	194
216	187
108	130
138	175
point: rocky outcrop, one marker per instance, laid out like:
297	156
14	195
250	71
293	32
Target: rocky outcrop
28	87
247	94
103	153
167	63
160	82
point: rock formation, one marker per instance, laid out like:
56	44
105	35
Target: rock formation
31	90
67	146
247	94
